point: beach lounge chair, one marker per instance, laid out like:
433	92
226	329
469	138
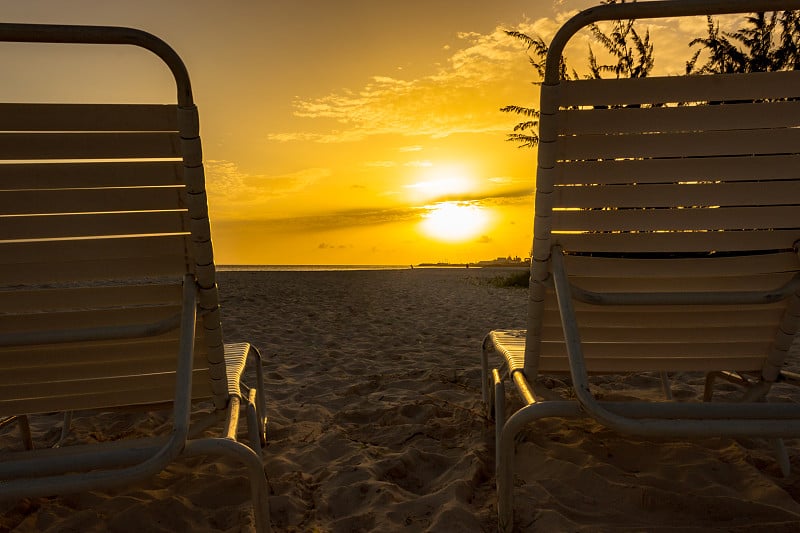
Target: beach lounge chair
666	233
107	284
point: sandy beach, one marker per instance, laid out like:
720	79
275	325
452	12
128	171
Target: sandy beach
377	424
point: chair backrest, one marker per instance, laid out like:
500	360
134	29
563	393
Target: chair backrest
102	214
676	164
669	184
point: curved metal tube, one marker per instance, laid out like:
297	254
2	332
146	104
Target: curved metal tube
15	489
641	10
259	487
53	33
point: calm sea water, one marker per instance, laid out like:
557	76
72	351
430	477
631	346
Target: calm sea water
306	268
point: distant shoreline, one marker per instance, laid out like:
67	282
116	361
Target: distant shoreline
307	268
335	268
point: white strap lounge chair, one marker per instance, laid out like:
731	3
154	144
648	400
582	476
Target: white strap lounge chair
108	295
666	232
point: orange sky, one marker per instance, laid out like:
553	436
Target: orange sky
338	131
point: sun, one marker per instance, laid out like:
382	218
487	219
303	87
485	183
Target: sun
454	221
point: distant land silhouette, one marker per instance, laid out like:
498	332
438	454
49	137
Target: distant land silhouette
498	262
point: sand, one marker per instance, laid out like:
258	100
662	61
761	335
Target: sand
376	424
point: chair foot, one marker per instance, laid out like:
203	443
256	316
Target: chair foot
256	426
64	429
260	400
259	487
25	430
782	456
486	378
504	456
666	386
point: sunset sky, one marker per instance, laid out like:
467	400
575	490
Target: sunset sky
339	131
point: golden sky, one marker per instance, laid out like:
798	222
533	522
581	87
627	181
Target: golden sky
337	131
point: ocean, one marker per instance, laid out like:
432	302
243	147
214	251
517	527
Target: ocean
307	268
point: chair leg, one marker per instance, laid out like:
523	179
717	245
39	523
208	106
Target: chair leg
491	403
259	488
64	429
754	392
499	410
255	435
665	384
507	436
782	456
25	430
757	391
730	377
260	400
504	461
708	391
486	379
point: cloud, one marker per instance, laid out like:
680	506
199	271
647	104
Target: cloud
507	197
462	96
226	178
373	216
412	148
326	246
483	72
238	194
349	218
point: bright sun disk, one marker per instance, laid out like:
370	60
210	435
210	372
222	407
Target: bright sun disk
454	221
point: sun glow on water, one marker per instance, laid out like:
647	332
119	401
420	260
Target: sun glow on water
454	221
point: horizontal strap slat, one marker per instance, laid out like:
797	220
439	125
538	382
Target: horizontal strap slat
659	349
91	360
603	363
679	195
667	283
77	270
551	304
83	225
752	86
144	349
88	117
631	334
90	297
699	351
678	119
774	167
35	146
608	365
90	370
645	316
687	267
637	357
21	253
91	200
98	385
138	390
678	219
90	175
710	143
83	319
720	241
78	260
